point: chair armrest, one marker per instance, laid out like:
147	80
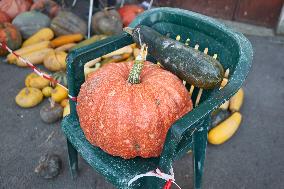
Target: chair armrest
192	120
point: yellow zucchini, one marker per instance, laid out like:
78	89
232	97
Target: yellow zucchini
123	50
116	58
237	100
44	34
65	39
225	130
25	50
91	66
89	41
65	47
34	57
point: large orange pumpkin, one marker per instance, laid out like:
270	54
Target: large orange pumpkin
4	17
126	119
10	35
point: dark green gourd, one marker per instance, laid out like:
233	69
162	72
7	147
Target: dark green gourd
189	64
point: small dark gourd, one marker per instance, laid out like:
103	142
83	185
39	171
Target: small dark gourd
9	35
51	112
49	166
191	65
67	22
30	22
126	108
48	7
107	22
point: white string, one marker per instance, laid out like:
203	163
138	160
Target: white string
74	3
157	174
122	3
139	37
150	4
90	17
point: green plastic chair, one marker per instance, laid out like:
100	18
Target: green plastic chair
190	132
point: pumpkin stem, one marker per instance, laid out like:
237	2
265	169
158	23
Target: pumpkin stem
134	75
52	103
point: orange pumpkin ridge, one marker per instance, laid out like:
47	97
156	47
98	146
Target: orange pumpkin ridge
130	120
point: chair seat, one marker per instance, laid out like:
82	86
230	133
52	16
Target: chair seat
116	170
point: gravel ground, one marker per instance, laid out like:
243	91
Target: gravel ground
253	158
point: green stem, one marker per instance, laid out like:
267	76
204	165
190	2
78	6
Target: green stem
134	75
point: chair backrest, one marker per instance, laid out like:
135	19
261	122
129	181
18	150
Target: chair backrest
233	49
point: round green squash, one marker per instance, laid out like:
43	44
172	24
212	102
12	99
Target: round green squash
68	23
30	22
61	77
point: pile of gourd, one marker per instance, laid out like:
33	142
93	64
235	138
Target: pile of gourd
43	33
227	118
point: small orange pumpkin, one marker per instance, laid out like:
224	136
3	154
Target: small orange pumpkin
127	119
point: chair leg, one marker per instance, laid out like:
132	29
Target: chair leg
199	150
73	159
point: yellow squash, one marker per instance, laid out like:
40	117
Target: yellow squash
58	94
12	59
65	39
55	60
35	57
66	110
237	100
44	34
46	91
35	81
123	50
65	47
64	102
29	97
225	130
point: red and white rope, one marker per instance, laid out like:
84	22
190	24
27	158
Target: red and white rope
159	174
36	70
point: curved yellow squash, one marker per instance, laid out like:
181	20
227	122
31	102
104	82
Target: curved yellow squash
236	101
45	34
225	130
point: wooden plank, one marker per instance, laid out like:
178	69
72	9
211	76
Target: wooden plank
217	8
260	12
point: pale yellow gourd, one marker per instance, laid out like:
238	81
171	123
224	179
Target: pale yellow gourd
55	60
58	94
35	57
29	97
46	91
12	59
36	81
